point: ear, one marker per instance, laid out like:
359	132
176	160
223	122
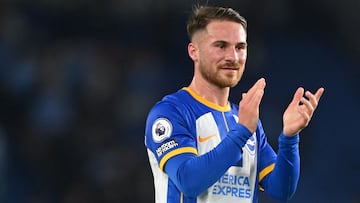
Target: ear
192	51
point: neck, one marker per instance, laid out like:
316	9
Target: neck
210	92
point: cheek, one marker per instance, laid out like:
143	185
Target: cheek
211	56
215	56
242	57
207	56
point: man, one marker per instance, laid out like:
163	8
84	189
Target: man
201	147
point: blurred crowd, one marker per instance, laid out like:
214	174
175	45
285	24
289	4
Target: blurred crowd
73	97
77	79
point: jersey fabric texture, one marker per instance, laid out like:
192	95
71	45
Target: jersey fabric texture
184	123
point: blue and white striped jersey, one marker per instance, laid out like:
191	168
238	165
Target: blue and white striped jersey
184	122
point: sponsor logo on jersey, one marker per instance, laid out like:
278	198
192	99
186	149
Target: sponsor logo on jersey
234	186
161	129
165	147
251	144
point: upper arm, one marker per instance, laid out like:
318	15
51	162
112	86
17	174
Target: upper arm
167	133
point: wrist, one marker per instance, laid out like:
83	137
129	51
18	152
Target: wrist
288	133
239	134
285	139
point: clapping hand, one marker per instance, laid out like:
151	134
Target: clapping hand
249	105
300	110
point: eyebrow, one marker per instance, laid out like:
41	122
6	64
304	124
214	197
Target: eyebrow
225	42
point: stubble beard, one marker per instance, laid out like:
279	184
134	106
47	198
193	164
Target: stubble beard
218	79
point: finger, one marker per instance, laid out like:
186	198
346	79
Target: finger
260	84
258	96
307	106
312	99
319	93
297	96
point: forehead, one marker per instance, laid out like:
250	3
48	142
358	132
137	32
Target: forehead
225	31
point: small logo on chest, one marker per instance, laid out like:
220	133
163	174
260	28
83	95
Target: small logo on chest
251	144
205	138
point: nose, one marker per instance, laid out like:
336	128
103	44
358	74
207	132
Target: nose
232	55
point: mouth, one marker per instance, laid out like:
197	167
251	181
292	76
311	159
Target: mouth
230	68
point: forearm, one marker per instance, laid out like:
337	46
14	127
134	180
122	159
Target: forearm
281	183
194	174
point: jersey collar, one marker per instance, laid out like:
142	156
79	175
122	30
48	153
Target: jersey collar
206	102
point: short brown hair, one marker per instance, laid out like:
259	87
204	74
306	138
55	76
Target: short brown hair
203	15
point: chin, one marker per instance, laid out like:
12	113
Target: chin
228	84
225	82
233	83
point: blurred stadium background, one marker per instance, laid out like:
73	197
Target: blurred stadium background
78	77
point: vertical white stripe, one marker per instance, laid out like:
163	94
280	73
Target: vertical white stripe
160	180
206	127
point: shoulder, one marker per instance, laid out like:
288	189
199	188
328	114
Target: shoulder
168	118
172	107
171	102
